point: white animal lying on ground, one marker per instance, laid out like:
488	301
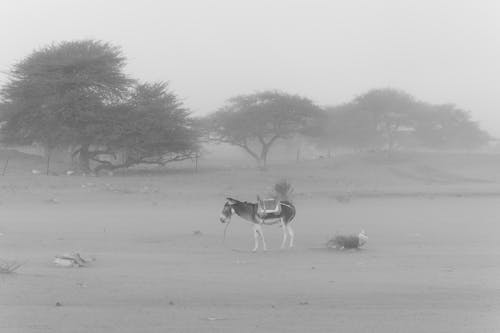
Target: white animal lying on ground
341	242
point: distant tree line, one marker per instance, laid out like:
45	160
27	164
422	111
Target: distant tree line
381	119
75	95
388	119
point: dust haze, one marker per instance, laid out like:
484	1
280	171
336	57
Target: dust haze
251	166
441	51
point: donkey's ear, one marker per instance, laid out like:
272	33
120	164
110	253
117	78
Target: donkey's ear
231	200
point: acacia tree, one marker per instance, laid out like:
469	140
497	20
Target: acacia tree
386	118
389	110
255	122
446	126
152	127
61	94
345	126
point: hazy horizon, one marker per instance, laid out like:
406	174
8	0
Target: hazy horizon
330	51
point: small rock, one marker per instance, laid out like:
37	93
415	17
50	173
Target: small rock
58	304
343	198
52	201
215	318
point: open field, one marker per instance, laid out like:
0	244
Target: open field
431	263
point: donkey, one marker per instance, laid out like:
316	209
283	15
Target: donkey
251	212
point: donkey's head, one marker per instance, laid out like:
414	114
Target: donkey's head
227	211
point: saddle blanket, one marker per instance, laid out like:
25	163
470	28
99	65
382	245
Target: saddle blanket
271	206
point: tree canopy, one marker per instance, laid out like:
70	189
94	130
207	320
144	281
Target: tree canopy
75	94
151	127
256	121
60	95
446	126
388	118
388	111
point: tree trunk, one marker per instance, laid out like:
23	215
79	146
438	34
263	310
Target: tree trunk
107	167
84	158
263	157
5	166
196	157
48	153
390	143
47	150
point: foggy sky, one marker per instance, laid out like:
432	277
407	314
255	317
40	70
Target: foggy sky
440	51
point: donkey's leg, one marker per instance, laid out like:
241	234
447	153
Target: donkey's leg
255	237
285	231
261	233
291	233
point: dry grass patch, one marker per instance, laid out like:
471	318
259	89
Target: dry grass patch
9	266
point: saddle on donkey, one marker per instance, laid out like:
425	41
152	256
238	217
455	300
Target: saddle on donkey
269	208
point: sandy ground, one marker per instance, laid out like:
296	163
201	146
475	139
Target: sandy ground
432	262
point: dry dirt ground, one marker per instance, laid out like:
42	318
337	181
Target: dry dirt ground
432	262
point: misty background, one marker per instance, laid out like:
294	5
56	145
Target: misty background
330	51
129	130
